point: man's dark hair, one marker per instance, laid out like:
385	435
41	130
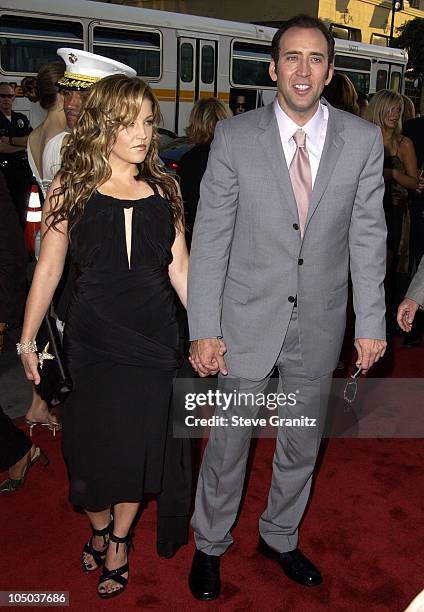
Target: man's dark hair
302	21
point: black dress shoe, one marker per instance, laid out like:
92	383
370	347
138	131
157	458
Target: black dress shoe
204	580
294	563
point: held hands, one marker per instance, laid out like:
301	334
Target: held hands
207	356
30	363
369	352
406	313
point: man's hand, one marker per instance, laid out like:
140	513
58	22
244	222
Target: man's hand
406	313
207	356
369	352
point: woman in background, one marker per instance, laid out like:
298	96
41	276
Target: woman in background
122	218
44	90
341	93
55	122
400	175
204	116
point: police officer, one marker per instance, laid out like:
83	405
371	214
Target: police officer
14	130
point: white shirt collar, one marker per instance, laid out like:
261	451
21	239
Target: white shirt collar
313	127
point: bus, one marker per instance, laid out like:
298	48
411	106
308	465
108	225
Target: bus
183	57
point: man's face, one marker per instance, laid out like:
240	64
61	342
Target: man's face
7	97
302	72
72	105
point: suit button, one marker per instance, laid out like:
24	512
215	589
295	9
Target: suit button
295	226
291	299
300	262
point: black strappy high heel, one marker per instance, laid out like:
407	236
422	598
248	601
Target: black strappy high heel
116	574
98	555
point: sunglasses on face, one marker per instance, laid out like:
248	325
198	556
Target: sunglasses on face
9	96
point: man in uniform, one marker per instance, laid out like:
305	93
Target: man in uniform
82	70
14	131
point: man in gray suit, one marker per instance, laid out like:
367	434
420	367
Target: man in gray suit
292	192
413	301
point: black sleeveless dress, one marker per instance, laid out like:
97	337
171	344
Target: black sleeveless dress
121	343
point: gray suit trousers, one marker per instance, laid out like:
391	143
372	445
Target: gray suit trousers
222	473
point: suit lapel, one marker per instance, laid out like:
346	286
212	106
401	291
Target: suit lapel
270	141
331	152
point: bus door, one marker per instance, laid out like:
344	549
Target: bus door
396	78
196	76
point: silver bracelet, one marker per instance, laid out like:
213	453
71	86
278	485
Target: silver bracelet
26	347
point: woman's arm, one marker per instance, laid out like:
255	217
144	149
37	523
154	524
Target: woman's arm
178	270
409	159
48	271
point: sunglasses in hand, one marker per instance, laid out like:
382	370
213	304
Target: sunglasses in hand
351	387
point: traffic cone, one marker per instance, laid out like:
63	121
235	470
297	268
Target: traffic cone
33	219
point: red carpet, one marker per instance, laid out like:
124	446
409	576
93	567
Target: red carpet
363	528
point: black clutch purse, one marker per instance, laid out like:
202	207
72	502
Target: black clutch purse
55	381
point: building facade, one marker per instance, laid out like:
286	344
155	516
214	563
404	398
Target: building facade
367	21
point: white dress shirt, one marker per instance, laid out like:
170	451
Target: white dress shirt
316	130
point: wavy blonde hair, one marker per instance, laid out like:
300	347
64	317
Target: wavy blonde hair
112	102
204	116
380	105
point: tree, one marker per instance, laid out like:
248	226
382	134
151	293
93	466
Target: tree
411	38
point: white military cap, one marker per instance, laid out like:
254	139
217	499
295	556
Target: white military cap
84	68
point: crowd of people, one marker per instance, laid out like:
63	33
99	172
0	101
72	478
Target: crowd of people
293	190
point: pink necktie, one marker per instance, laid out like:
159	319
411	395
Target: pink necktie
301	178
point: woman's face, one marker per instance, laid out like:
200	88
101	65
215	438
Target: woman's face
391	119
133	141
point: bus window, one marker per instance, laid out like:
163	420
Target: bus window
250	64
350	62
242	100
26	42
208	64
136	48
395	79
381	80
187	63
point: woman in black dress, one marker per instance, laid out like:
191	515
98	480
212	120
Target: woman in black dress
123	218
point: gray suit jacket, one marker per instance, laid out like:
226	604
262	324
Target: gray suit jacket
416	288
248	261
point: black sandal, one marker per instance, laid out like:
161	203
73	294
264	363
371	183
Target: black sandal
116	574
98	555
